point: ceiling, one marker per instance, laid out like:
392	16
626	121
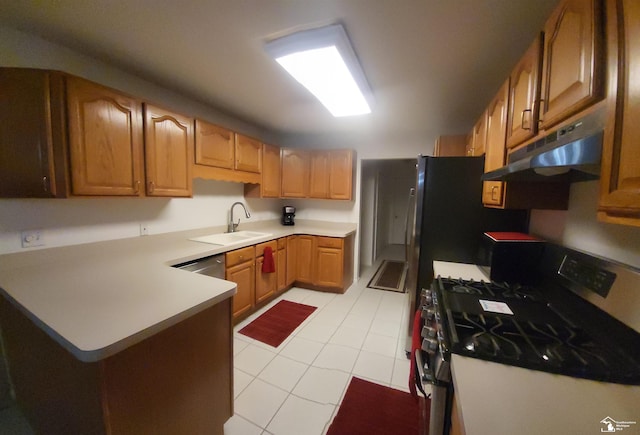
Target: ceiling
433	65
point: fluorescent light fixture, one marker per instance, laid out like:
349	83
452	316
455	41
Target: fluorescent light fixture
323	61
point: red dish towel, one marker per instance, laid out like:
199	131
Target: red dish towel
415	344
268	265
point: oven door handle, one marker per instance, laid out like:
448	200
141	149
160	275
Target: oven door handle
420	373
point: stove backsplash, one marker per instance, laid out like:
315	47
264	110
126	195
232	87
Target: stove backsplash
611	286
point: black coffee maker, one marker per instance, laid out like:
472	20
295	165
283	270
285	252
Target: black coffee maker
288	213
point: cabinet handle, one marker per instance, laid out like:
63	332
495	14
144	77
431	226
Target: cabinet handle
45	183
522	119
241	257
152	186
494	189
136	189
539	103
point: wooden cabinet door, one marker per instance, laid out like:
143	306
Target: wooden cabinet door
248	154
168	152
524	94
281	265
266	283
479	135
619	200
450	146
340	174
105	140
572	75
305	247
319	174
244	276
292	259
270	187
295	173
495	147
329	263
215	146
33	149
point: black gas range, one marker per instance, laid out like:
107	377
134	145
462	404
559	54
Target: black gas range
570	319
520	326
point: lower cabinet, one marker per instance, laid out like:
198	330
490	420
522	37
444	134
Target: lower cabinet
281	264
178	381
305	246
315	262
240	268
324	263
266	282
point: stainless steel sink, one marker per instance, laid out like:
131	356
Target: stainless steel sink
227	239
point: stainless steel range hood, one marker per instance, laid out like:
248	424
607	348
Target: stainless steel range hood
572	153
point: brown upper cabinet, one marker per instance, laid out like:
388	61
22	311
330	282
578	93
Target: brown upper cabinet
215	146
105	140
90	138
295	173
33	152
340	174
572	73
248	154
168	152
269	186
524	96
479	136
492	191
321	174
450	146
221	154
619	200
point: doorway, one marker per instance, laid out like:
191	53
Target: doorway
384	199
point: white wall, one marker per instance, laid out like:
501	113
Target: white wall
578	227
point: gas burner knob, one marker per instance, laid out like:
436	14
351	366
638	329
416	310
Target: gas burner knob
427	298
429	345
428	313
428	332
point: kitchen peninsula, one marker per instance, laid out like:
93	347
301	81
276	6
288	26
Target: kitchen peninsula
107	337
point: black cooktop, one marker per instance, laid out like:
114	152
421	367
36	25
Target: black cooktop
517	325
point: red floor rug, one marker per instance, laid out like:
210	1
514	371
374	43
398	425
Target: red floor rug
373	409
275	324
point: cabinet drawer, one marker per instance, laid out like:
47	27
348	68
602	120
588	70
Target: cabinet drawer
239	256
329	242
260	248
282	243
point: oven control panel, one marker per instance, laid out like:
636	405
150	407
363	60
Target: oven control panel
587	275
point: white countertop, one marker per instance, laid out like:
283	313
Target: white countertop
97	299
458	270
494	398
499	399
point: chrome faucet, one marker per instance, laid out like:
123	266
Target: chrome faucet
232	225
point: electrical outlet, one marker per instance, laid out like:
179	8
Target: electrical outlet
32	238
144	229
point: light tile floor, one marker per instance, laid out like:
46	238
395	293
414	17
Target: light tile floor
297	387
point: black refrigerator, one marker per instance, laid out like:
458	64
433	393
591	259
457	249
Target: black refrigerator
446	220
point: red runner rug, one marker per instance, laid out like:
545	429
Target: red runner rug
373	409
275	324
